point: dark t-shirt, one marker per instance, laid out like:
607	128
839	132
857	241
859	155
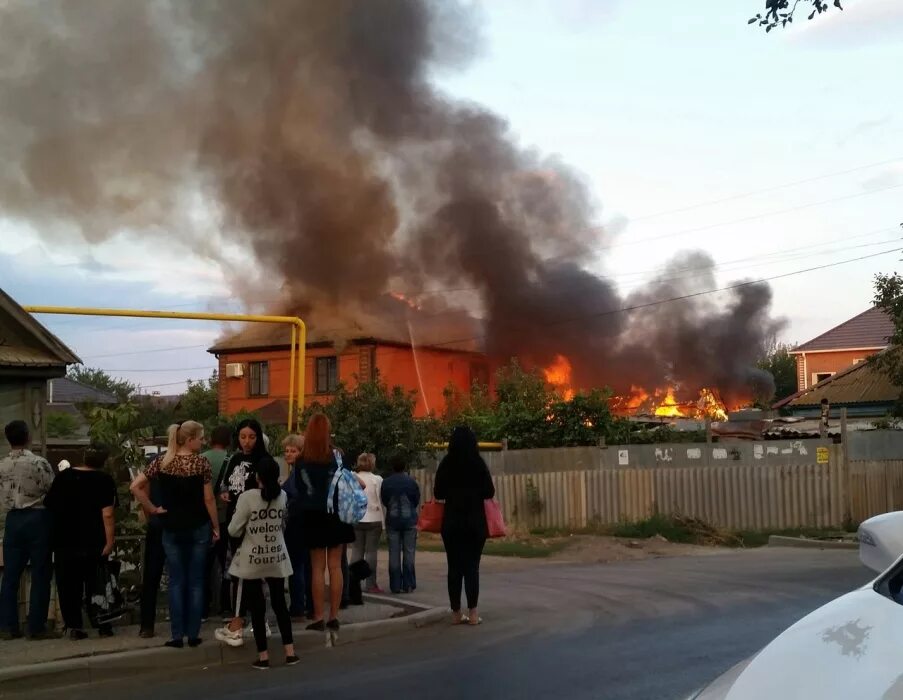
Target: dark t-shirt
182	483
77	499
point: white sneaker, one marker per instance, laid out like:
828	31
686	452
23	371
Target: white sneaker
227	636
249	630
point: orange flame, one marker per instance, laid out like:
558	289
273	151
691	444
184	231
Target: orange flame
558	374
669	406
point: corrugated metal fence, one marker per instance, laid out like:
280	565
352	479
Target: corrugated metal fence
732	495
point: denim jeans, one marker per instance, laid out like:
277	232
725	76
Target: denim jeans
299	583
26	540
402	546
366	547
186	559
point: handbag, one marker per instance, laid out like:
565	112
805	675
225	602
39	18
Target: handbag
431	516
495	522
106	602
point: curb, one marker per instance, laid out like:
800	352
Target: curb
116	665
803	543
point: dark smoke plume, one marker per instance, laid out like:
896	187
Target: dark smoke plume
312	135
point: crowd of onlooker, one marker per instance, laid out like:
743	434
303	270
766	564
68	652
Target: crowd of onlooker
230	529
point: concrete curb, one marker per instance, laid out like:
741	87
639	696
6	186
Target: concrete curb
804	543
110	666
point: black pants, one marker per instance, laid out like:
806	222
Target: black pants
252	594
463	551
217	593
75	581
152	572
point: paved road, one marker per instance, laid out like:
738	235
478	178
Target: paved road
631	631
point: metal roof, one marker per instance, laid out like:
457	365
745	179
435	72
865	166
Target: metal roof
65	390
862	383
870	329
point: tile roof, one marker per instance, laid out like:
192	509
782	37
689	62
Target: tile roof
870	329
45	350
861	383
65	390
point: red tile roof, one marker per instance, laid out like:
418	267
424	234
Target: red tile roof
870	329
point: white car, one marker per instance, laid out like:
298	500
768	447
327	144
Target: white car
848	649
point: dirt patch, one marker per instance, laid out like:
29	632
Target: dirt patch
597	549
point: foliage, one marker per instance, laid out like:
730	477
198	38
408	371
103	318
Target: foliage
371	417
102	381
62	425
781	12
528	413
782	366
200	401
889	298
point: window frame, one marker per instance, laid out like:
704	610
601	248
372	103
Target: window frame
262	378
823	375
331	384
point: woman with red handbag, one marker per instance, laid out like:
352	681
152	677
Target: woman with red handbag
464	483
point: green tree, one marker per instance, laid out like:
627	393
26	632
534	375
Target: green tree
781	12
102	381
782	366
371	417
61	425
889	298
200	401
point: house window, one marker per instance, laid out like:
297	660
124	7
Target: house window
258	378
327	375
821	376
858	360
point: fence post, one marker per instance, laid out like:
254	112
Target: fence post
845	468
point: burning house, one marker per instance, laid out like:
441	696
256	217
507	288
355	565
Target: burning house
302	147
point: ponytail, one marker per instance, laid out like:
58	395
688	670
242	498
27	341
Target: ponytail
268	478
177	435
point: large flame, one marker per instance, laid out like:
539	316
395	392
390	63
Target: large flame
558	374
669	407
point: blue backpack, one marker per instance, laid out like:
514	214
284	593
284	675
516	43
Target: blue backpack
346	498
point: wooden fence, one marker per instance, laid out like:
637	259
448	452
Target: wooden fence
734	495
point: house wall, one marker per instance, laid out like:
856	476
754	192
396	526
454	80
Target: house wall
812	363
396	367
24	399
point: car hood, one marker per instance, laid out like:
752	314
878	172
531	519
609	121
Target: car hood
850	648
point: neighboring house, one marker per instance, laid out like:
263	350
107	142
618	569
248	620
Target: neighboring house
841	347
66	397
863	389
254	369
29	356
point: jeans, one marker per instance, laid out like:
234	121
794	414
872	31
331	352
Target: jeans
366	546
402	546
299	583
186	558
252	591
154	561
76	579
27	539
463	551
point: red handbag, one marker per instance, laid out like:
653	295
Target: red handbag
495	522
431	516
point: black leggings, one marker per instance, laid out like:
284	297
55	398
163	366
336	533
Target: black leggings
463	551
252	594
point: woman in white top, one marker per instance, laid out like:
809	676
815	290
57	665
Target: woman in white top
369	530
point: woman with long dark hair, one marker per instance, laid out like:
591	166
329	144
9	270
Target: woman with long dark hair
262	556
464	483
188	515
321	532
240	475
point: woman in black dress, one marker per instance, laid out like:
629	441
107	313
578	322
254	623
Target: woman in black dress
464	483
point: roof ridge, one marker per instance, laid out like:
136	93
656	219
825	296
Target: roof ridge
802	347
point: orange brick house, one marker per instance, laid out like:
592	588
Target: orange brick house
845	345
254	370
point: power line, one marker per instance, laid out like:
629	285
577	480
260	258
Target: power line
743	195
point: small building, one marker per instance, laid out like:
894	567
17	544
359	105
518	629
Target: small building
254	369
845	345
67	427
30	355
863	389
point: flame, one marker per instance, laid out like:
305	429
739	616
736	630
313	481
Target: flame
710	406
558	374
669	407
405	300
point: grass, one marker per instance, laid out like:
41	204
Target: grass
522	547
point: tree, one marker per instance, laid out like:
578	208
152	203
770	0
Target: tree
371	417
781	12
61	425
100	380
889	298
782	366
200	401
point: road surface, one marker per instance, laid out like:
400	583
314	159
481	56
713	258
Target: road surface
631	631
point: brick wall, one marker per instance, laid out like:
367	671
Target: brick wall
825	363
